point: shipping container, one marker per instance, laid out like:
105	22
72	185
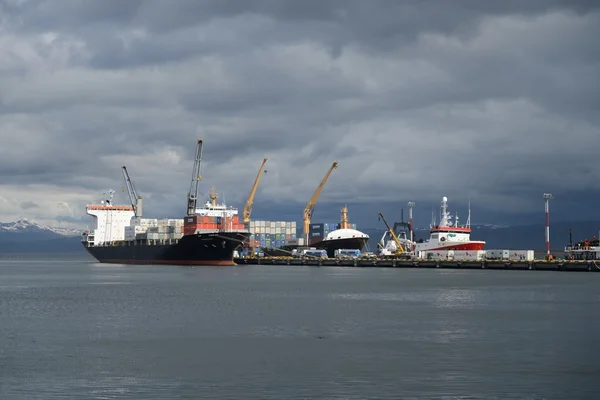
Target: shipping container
521	255
470	255
314	253
497	254
347	253
438	254
317	227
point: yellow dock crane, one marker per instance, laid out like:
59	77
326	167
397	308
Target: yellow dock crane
310	206
399	249
248	207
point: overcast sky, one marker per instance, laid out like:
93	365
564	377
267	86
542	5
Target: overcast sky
495	102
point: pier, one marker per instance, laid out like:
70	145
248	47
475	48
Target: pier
535	265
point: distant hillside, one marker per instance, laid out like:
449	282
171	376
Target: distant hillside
25	236
515	237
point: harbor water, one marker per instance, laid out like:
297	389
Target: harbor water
71	328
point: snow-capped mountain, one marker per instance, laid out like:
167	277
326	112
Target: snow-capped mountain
25	226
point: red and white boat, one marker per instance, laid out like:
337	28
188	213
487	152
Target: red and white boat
448	235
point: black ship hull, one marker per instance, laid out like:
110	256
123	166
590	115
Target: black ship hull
202	249
329	245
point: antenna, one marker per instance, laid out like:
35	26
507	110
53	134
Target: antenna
468	225
411	204
547	197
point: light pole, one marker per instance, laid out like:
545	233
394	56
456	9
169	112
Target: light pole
547	197
411	204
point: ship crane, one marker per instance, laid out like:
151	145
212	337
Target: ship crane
310	206
196	178
248	207
399	249
134	198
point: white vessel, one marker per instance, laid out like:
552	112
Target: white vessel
588	249
448	234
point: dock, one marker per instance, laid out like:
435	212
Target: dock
535	265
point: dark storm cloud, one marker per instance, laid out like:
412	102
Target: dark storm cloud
492	101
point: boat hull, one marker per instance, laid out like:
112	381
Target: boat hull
355	243
328	245
472	246
198	249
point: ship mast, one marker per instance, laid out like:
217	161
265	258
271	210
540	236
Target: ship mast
444	216
344	220
196	178
213	196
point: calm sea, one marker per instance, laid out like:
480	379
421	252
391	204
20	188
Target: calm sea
74	329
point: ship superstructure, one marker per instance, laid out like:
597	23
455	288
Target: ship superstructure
110	220
448	234
588	249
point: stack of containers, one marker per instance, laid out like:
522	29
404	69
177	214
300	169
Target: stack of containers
352	226
156	229
166	229
271	233
318	231
138	228
210	224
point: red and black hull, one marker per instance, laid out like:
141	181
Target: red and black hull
201	249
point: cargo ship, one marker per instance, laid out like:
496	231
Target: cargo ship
207	235
448	234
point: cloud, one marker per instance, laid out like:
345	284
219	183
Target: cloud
492	102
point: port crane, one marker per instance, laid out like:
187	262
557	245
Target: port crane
248	207
310	206
399	249
134	198
196	178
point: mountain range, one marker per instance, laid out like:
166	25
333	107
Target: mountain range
25	236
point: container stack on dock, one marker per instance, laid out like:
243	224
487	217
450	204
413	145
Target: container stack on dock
273	234
154	229
477	255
